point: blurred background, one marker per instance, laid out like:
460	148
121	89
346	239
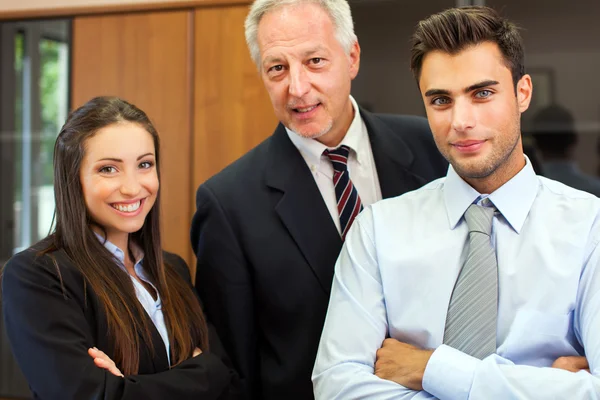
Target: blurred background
186	64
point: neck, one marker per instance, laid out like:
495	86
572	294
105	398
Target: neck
120	239
339	128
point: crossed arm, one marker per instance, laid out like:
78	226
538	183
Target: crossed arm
50	336
360	362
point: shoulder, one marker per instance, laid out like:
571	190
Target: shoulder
567	199
414	207
36	258
413	122
415	199
244	169
35	267
558	190
413	134
412	129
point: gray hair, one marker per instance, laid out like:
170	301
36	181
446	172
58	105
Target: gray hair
338	10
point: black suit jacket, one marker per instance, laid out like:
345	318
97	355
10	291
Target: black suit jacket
267	246
50	331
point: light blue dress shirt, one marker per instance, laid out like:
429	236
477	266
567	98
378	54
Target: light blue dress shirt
397	269
153	307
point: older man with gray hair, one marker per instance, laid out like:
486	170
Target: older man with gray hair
269	227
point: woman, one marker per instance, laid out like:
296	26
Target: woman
97	309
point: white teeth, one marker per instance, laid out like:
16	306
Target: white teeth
303	110
127	208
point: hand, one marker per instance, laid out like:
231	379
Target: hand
103	361
402	363
572	364
197	352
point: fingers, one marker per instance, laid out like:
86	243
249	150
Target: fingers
109	366
571	363
197	352
579	362
103	361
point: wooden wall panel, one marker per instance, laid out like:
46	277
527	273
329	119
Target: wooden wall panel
26	9
146	58
233	112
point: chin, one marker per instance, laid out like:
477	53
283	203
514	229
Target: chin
314	133
130	228
473	172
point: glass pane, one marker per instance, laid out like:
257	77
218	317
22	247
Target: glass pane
54	65
33	106
19	54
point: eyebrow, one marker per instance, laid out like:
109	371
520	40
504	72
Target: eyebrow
308	53
318	49
271	59
119	160
479	85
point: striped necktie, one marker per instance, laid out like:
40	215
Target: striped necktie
348	201
473	310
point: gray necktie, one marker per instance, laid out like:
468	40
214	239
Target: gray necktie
473	310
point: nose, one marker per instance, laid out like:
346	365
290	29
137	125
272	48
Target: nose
299	81
463	116
130	185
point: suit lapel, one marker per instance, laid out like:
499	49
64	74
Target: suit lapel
393	158
160	359
302	208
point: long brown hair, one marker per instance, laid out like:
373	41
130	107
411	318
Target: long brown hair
454	29
184	319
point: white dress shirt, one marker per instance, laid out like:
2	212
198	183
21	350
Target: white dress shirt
153	307
361	164
397	270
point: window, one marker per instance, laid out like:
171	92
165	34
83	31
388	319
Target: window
34	92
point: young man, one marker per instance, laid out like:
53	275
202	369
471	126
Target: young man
268	228
474	285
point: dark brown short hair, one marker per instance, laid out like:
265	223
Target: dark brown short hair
452	30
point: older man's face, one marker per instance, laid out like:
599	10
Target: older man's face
307	72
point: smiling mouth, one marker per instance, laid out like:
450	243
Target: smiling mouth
127	208
306	109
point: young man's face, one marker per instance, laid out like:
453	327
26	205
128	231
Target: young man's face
474	112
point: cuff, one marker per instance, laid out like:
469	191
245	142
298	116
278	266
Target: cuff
449	373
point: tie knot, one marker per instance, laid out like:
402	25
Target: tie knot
479	219
339	158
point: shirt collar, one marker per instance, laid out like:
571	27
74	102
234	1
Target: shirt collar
355	138
513	199
120	255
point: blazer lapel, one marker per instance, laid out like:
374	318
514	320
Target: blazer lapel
158	359
302	208
393	158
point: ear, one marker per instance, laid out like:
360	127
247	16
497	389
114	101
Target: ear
524	92
354	59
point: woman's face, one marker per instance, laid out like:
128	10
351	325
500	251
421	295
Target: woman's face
119	178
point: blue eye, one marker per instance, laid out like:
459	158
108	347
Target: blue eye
483	94
440	101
